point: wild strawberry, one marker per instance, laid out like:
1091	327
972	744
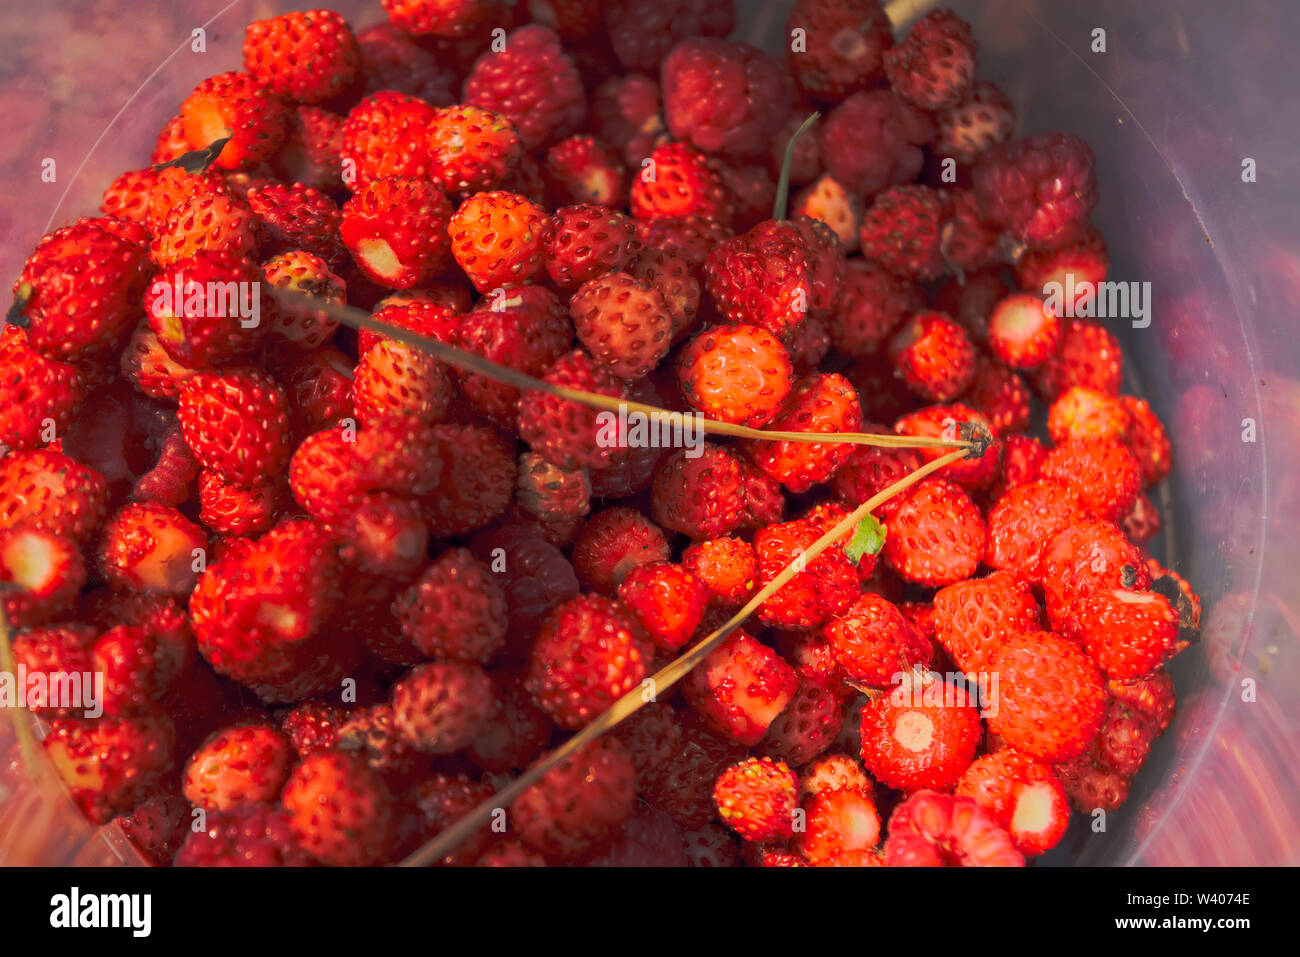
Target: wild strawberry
110	764
808	725
43	574
396	379
872	303
1081	559
1001	397
35	393
384	535
232	509
50	492
1022	460
151	547
239	106
613	542
516	731
672	277
550	493
722	97
581	169
566	433
839	821
471	150
871	469
1102	472
311	727
385	136
762	277
237	423
872	140
934	356
710	846
702	496
473	481
1089	355
677	182
936	535
443	706
623	322
967	129
818	403
250	835
1082	262
454	610
901	230
845	41
199	331
159	826
420	17
1128	633
1023	331
1084	413
371	734
307	57
1040	188
1050	699
1022	794
576	806
302	272
625	114
497	237
943	830
756	798
238	765
726	566
296	218
934	67
1147	440
947	422
170	143
873	642
827	201
920	736
313	144
396	230
668	601
51	651
1024	519
127	197
967	243
972	618
532	82
340	811
584	242
79	291
708	367
741	687
824	588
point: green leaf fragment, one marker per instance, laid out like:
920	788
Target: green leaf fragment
868	539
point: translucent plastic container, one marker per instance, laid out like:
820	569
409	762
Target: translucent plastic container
1187	97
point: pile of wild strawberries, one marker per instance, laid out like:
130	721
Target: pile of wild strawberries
341	593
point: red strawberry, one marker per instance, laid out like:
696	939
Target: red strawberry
313	147
671	275
456	609
458	19
396	230
1089	355
1022	461
902	231
668	601
232	509
1025	519
1083	261
973	618
239	106
198	328
170	143
827	201
1050	698
1001	397
726	566
1023	795
340	811
934	66
872	140
623	322
110	764
237	423
515	732
550	493
1084	413
1023	331
443	706
589	652
934	356
844	43
839	822
756	798
127	197
244	764
869	470
43	574
79	291
612	543
50	492
872	303
936	535
948	422
581	169
966	130
394	379
808	725
312	726
1148	440
676	182
822	589
496	238
295	217
371	735
873	642
307	57
1101	471
151	547
38	396
586	241
834	771
566	433
942	830
723	97
576	806
385	136
762	277
741	687
252	835
471	150
532	82
1083	558
818	403
1040	188
700	495
306	273
51	651
736	373
1128	633
710	846
922	734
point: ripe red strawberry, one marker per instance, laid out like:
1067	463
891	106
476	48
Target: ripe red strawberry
576	806
581	169
1147	440
49	651
844	43
394	379
441	707
1050	699
1101	471
667	600
1128	633
1024	519
396	230
825	587
240	106
515	732
625	114
736	373
306	57
762	277
384	535
198	329
552	494
237	423
1086	259
1002	398
472	482
723	97
872	140
232	509
170	143
127	197
1089	355
1023	795
340	812
872	303
1023	331
471	150
312	726
1083	558
38	396
612	543
566	433
43	574
834	771
973	618
50	492
741	687
943	830
497	237
902	231
79	291
623	322
1082	413
675	182
756	798
313	147
827	201
936	535
532	82
151	547
295	217
1021	462
839	821
371	734
922	734
726	566
306	273
934	67
244	764
871	469
458	19
252	835
110	764
1039	188
586	241
589	652
818	403
173	187
764	499
966	130
455	610
947	421
670	273
933	356
873	642
385	135
702	496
